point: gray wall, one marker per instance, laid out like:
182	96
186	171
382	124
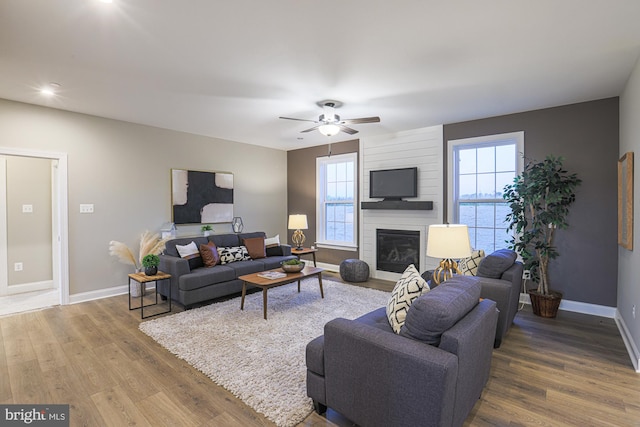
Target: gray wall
629	261
124	170
586	135
301	172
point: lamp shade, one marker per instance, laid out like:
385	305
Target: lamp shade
448	241
298	222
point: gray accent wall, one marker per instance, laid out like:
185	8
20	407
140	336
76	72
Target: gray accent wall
586	135
301	179
123	169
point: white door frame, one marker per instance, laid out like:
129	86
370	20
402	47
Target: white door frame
59	214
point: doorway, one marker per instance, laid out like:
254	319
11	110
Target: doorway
33	230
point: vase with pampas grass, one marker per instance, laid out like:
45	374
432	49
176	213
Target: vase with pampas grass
150	244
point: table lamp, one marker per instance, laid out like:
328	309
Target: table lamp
298	223
448	242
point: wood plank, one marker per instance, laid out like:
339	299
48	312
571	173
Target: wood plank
117	409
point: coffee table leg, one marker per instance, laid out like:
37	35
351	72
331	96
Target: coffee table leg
264	303
320	281
244	292
298	286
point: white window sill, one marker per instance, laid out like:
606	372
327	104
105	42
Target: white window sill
352	248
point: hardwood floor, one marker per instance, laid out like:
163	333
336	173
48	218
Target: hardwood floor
573	371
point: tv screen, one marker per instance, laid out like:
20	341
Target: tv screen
393	184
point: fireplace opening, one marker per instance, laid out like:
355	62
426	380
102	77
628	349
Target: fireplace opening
397	249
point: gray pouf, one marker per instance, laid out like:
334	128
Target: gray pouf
354	270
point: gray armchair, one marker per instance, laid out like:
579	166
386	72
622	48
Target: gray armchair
375	377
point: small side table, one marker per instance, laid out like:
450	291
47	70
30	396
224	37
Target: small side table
142	279
305	251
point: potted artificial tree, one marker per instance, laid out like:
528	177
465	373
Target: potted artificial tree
539	199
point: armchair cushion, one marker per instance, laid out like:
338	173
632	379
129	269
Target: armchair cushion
492	266
437	311
409	287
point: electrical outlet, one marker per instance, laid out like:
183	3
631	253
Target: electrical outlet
86	208
526	275
17	266
27	208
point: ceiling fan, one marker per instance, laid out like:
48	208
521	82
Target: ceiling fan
329	123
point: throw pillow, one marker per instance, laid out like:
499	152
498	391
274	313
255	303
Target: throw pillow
436	312
272	241
233	254
191	253
209	254
469	266
255	246
492	266
410	286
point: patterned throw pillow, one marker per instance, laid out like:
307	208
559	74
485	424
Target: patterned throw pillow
410	286
233	254
191	253
469	266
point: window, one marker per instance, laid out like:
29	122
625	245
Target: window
479	170
336	201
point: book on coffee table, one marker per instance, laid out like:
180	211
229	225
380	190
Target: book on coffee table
272	275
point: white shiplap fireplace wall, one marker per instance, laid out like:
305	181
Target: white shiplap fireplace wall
422	148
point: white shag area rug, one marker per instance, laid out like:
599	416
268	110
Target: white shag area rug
262	362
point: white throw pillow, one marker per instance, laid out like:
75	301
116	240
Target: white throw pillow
272	241
187	250
410	286
469	266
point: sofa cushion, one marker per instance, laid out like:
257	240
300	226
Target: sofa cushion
191	253
246	267
437	311
209	254
170	246
492	266
409	287
225	240
202	277
469	266
233	254
255	246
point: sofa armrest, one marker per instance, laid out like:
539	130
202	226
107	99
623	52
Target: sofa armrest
376	377
176	267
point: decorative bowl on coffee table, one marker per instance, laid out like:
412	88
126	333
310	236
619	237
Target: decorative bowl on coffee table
292	268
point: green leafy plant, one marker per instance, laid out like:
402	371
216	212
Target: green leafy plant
150	260
539	199
206	227
294	261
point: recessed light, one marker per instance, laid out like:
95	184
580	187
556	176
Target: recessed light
50	89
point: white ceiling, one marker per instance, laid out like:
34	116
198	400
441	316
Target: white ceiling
229	69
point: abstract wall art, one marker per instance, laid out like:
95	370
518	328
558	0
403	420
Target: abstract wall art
200	197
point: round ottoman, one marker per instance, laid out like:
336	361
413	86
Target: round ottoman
354	270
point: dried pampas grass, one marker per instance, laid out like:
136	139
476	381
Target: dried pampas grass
150	243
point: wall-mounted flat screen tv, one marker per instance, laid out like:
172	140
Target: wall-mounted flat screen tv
393	184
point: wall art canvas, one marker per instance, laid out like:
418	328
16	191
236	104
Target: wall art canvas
199	197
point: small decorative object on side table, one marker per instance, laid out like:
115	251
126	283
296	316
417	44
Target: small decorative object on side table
305	251
142	279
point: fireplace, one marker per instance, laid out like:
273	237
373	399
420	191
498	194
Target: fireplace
397	249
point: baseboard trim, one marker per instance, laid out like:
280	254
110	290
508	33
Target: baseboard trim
580	307
98	294
634	353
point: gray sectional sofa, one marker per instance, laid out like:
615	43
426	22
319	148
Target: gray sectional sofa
431	374
190	286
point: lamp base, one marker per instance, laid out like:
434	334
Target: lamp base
447	268
298	238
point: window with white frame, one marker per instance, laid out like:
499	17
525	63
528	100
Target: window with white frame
479	170
336	200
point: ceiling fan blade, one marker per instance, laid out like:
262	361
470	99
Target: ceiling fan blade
300	120
360	120
347	130
310	129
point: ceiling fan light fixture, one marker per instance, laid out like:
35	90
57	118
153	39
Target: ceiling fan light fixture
329	129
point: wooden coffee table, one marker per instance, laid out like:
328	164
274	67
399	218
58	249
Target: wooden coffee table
262	282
